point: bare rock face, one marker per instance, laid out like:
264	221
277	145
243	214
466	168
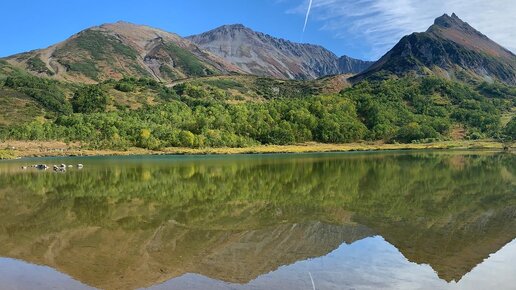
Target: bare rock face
351	65
450	48
261	54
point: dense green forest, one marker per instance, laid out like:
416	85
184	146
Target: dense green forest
206	114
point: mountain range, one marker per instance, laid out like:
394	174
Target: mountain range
450	48
122	49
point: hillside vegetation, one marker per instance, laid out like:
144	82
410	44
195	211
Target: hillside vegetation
245	111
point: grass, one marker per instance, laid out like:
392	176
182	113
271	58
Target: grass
7	154
186	61
98	45
165	70
86	67
17	108
226	84
55	148
37	65
319	147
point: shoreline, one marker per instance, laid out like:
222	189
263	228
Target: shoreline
26	149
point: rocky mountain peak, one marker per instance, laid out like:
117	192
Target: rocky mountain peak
264	55
237	26
449	21
453	22
231	28
115	50
452	28
449	47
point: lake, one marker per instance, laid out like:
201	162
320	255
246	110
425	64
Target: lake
397	220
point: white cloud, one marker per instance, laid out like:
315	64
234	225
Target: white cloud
381	23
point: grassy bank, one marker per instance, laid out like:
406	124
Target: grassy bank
7	154
47	149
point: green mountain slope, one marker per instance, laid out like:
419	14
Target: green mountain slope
122	50
450	48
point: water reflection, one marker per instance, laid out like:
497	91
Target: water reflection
371	263
264	222
15	274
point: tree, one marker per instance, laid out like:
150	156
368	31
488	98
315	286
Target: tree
410	132
509	133
510	129
146	140
186	139
282	134
90	99
124	87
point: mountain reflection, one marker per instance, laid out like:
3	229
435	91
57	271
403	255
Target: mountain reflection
136	222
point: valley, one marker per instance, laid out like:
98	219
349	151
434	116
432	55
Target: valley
126	87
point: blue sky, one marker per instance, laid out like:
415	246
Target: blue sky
359	28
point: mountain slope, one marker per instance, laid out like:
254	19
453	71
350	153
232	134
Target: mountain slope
261	54
352	65
450	48
122	49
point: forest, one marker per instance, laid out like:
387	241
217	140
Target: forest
198	115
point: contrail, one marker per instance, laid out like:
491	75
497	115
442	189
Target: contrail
311	278
307	14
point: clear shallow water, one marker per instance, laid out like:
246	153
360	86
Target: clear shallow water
347	221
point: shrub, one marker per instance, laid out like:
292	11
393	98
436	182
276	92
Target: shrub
90	99
45	91
510	129
124	87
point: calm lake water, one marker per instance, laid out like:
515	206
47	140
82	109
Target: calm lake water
413	220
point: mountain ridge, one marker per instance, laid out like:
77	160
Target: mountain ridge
450	48
124	49
264	55
121	49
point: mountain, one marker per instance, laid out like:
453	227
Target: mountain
352	65
122	49
261	54
450	48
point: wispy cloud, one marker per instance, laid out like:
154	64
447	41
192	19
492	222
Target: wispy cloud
381	23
